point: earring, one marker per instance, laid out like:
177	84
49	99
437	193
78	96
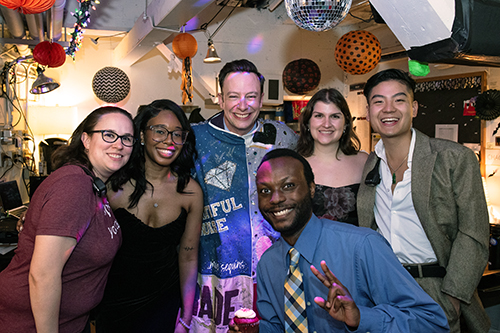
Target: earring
142	143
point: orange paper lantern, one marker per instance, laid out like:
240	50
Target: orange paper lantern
184	45
358	52
49	54
28	6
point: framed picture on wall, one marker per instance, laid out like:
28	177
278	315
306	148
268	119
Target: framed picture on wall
448	132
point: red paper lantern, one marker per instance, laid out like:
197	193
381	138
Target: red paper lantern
358	52
184	45
28	6
49	54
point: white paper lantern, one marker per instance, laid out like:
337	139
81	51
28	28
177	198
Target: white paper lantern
317	15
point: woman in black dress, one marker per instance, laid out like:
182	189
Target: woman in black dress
159	207
328	142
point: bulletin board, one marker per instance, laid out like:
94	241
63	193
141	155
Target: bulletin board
446	102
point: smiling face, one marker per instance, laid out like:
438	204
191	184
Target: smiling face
107	158
326	124
162	153
391	108
241	100
285	198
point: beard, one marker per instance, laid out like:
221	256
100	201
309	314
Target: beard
303	211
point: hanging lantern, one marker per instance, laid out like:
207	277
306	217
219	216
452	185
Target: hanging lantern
185	47
301	76
358	52
111	84
317	15
28	6
49	54
488	105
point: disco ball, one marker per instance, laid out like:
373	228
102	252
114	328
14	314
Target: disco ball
317	15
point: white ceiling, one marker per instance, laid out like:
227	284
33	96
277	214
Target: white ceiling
121	15
113	16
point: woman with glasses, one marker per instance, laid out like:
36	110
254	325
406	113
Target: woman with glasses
158	206
70	235
328	142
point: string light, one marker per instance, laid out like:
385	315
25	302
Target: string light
82	16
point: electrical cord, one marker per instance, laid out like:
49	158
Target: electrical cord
5	172
370	19
205	25
22	115
13	99
220	25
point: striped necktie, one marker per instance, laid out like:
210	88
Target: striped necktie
295	301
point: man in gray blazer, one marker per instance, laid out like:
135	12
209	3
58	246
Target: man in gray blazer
425	196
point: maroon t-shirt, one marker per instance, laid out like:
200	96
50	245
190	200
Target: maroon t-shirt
63	205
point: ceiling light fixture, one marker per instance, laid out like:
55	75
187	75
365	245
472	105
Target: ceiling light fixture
43	84
212	56
96	40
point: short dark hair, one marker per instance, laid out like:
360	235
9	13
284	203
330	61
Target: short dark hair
284	152
349	142
74	152
242	65
391	74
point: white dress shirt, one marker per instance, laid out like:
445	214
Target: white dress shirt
395	215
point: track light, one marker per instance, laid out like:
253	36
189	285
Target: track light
211	53
96	40
43	84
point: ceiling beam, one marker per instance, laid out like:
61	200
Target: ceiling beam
161	19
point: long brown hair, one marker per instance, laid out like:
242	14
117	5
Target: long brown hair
349	142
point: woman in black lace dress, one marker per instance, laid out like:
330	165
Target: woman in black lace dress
328	142
158	206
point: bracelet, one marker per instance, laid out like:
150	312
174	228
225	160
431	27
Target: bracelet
183	323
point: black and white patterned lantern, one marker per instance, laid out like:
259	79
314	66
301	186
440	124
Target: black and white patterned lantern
111	84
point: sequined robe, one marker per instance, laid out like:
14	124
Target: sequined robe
234	234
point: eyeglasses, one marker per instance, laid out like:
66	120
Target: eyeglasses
111	137
160	134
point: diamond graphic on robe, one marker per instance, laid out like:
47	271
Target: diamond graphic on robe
221	176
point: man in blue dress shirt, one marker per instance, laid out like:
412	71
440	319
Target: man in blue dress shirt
367	289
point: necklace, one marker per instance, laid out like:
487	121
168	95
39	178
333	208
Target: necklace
394	172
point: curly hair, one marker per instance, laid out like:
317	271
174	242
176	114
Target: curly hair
349	142
74	152
181	166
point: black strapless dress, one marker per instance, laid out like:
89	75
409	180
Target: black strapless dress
336	203
143	289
